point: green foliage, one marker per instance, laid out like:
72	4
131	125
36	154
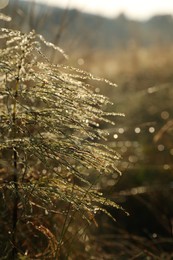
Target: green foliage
52	150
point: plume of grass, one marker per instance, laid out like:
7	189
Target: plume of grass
50	146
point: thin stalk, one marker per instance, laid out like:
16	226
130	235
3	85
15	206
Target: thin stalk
15	178
63	230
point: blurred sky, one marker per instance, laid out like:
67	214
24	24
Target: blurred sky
132	8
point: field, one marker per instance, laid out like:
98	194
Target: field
82	220
144	139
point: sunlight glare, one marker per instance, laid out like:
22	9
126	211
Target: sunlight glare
111	8
3	3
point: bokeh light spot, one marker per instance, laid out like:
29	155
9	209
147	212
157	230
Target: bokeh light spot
161	147
133	159
154	235
164	115
80	61
121	130
137	130
151	130
97	90
166	167
3	3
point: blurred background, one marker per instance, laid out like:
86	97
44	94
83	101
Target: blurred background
129	43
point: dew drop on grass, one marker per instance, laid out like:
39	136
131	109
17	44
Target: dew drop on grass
121	130
151	129
137	130
115	136
161	147
164	115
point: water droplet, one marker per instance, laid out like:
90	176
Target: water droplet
123	149
111	182
152	90
80	61
44	171
164	115
171	151
97	90
154	235
151	129
161	147
166	167
133	159
137	130
121	130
